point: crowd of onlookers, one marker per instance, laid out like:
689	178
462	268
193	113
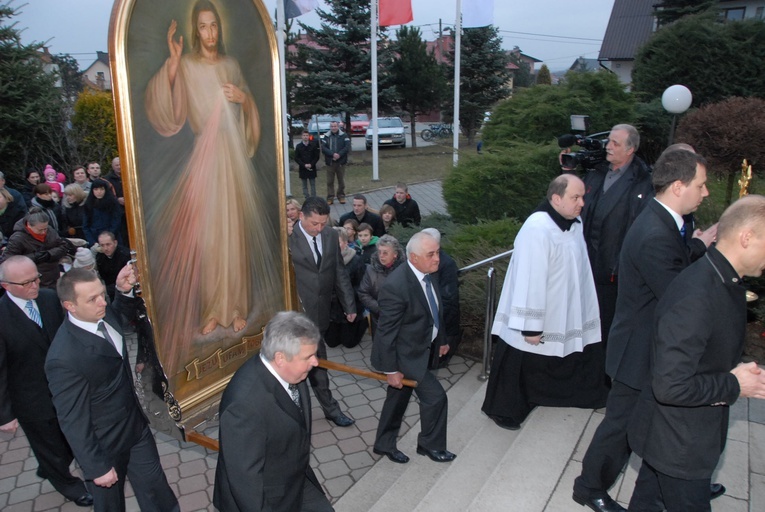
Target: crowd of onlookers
370	253
65	222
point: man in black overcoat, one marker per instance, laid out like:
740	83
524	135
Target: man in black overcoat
265	425
653	253
91	381
681	421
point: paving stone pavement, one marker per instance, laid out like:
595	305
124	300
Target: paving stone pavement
428	195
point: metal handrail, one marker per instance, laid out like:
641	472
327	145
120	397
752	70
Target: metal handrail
491	288
487	260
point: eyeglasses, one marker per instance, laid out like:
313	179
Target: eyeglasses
26	284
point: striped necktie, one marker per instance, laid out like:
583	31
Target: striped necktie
33	314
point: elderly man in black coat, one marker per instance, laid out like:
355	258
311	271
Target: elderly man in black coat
409	340
31	316
265	425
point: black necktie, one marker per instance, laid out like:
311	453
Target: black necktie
102	329
431	300
318	254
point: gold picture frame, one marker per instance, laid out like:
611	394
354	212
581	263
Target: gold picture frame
199	122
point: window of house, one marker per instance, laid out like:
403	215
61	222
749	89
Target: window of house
734	14
758	13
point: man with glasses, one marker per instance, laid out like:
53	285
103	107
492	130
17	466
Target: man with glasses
31	316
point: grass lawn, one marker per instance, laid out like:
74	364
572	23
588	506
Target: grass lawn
410	165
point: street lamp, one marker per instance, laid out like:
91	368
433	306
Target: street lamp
676	100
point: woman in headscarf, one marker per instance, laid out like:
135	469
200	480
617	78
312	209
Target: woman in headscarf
386	259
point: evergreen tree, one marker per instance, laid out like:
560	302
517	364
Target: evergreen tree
338	72
484	76
418	78
544	77
538	114
31	111
715	60
668	11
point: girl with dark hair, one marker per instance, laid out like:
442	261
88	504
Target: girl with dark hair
102	212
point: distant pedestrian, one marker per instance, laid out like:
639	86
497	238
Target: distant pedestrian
307	155
336	146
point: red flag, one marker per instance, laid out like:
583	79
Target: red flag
395	12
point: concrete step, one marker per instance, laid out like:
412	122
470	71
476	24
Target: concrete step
526	477
465	477
396	487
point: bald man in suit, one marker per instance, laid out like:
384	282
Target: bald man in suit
31	316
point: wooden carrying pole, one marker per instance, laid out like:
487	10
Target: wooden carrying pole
329	365
212	444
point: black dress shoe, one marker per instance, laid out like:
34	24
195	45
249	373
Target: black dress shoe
716	490
341	420
396	456
86	500
437	455
602	504
505	423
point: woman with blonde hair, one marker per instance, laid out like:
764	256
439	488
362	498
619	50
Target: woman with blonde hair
73	208
293	213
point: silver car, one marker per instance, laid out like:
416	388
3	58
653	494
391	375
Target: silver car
390	132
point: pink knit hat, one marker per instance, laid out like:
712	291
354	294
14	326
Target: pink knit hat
49	170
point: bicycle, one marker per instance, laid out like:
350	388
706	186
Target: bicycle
439	130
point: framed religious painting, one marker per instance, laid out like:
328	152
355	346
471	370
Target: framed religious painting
196	89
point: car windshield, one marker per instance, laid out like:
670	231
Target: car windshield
360	117
389	123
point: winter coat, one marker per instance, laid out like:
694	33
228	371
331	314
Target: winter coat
46	255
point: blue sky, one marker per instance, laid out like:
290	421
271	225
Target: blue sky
555	31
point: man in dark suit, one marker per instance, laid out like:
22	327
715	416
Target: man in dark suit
681	420
408	341
319	270
265	425
654	252
31	316
361	215
89	376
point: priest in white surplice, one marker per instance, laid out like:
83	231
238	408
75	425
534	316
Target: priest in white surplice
547	320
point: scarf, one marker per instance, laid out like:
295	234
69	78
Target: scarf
40	238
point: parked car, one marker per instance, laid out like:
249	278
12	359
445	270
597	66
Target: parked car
296	125
359	124
390	132
319	124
